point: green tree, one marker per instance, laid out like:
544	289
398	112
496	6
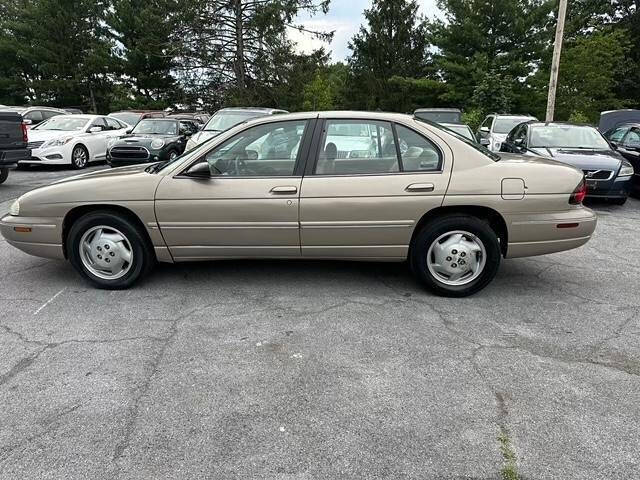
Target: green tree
55	52
144	31
486	44
317	94
392	44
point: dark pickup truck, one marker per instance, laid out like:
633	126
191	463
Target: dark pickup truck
13	142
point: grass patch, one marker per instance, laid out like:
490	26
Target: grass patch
510	469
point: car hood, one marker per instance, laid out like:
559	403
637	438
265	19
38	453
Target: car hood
112	186
44	135
583	159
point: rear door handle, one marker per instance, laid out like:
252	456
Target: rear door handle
284	190
420	187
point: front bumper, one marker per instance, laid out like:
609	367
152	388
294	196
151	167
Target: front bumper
122	158
619	187
49	156
11	157
43	238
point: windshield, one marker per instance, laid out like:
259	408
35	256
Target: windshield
222	121
127	117
567	136
506	124
485	151
61	122
462	130
440	117
156	127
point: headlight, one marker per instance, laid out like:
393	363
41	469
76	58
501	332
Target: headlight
626	170
58	142
157	143
497	145
14	209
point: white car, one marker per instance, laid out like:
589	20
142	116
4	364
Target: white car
495	128
74	140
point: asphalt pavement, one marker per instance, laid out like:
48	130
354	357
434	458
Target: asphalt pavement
323	370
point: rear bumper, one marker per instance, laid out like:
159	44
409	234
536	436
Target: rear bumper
11	157
549	233
43	240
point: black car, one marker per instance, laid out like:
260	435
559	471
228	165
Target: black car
626	140
151	140
607	173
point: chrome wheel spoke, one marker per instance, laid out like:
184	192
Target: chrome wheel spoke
456	258
106	252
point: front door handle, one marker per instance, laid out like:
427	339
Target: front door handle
284	190
420	187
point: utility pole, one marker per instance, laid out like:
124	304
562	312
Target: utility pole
555	62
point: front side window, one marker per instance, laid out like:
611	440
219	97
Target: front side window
418	154
633	139
35	116
99	122
357	147
506	124
113	124
263	150
617	134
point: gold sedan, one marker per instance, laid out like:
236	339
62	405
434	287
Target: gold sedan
332	185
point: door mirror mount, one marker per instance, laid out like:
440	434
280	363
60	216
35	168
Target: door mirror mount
95	129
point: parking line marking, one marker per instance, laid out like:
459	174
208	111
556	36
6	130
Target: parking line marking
49	301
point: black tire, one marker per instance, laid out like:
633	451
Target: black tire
143	256
618	201
441	226
4	174
76	162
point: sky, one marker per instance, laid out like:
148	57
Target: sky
345	18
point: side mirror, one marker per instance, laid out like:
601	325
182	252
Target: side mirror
484	142
27	121
199	170
129	130
484	130
95	129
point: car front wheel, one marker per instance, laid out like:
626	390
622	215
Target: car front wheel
456	256
109	250
4	174
79	157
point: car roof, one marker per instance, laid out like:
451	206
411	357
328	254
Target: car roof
559	124
419	110
267	111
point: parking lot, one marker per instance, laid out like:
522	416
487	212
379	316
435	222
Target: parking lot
299	370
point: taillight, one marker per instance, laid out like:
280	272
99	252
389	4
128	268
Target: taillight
24	132
579	193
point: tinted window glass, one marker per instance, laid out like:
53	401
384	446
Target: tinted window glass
567	136
50	113
113	124
34	115
617	134
505	124
418	153
357	147
263	150
633	139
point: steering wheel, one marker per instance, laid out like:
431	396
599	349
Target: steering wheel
240	168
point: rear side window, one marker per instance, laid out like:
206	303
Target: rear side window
352	147
617	134
418	154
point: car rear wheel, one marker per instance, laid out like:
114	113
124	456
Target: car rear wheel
109	250
455	256
4	174
79	157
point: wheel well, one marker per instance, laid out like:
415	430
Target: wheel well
495	220
75	213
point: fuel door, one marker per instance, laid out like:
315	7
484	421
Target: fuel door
513	188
